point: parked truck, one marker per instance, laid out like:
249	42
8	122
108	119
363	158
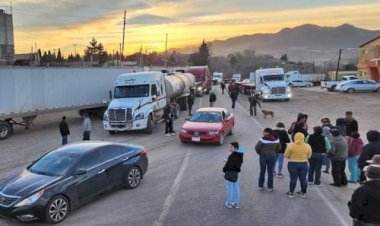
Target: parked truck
202	78
315	79
139	99
247	86
28	92
271	84
331	85
217	77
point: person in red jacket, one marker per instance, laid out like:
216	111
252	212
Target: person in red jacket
355	147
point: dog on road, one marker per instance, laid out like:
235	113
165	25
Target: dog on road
266	112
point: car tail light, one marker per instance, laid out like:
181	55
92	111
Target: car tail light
144	153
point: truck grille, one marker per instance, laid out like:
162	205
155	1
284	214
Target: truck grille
7	201
278	90
120	115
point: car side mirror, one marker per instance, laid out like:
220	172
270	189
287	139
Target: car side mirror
80	172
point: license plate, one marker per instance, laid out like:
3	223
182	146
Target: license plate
129	126
196	139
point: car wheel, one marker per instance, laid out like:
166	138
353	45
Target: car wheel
133	177
378	90
221	140
350	90
307	85
290	85
232	130
57	209
333	88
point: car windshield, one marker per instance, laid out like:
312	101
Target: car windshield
268	78
53	164
210	117
131	91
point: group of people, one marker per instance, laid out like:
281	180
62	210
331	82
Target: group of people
307	153
65	131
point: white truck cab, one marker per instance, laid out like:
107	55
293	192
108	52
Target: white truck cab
271	84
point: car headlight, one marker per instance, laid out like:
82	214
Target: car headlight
200	88
31	199
105	116
183	131
139	116
288	89
213	132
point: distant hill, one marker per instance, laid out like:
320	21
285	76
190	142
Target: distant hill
303	43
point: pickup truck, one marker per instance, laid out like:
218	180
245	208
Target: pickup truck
331	85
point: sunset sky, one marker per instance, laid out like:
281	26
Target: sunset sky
63	23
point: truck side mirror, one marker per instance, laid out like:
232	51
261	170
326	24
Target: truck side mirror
110	94
154	97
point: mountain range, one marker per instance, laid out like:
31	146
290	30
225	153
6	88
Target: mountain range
307	42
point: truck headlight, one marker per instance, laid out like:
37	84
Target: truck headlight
139	116
105	116
288	89
31	199
266	91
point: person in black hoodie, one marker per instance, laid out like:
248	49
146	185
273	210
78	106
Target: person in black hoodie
168	115
281	134
190	103
212	99
300	126
234	162
350	124
369	150
365	201
64	130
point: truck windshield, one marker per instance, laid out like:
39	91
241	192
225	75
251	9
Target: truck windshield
131	91
269	78
199	78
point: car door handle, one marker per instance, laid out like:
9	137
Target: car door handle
124	159
101	171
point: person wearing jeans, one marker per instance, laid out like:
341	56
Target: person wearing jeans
283	136
319	146
355	146
234	162
267	148
298	154
338	155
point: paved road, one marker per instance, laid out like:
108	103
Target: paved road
185	185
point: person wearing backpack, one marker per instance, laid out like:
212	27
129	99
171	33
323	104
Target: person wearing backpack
231	170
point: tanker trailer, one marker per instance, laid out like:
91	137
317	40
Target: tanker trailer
139	99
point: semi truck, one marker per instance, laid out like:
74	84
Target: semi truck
139	99
26	93
202	78
217	77
271	84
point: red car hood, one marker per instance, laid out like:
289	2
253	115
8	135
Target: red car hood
202	126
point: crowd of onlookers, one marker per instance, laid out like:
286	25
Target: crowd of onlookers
306	154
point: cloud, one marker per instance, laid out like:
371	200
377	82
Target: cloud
149	19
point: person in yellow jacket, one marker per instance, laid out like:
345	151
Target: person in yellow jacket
298	154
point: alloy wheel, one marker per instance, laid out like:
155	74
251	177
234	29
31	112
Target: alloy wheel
134	177
58	210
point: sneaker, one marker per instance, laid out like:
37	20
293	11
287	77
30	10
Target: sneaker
173	133
234	205
270	189
261	188
228	205
290	194
301	194
167	135
280	175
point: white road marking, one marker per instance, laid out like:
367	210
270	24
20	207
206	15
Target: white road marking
173	191
328	203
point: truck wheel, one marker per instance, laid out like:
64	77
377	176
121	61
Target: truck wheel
290	85
333	88
111	132
5	130
149	126
287	100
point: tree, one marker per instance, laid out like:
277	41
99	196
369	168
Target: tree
90	53
49	57
59	56
202	57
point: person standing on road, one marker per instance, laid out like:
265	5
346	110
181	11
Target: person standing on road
222	86
64	130
369	150
338	155
168	116
86	127
326	122
233	166
233	92
300	126
327	161
365	201
267	148
253	102
298	154
320	145
282	135
212	98
355	147
190	103
351	124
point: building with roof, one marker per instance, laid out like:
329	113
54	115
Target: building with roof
369	60
7	47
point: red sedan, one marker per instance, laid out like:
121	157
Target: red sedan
208	125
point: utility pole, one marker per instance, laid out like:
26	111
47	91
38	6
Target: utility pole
122	48
166	49
140	56
120	55
337	67
75	49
